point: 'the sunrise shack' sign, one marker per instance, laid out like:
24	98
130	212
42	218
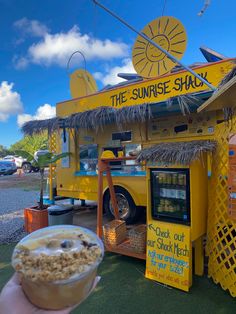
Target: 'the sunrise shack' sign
150	90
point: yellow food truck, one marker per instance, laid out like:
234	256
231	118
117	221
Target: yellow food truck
125	119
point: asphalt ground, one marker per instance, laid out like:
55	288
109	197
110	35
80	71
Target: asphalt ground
16	193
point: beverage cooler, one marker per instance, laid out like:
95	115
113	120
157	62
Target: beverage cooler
170	195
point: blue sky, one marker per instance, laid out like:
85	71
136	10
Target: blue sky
37	38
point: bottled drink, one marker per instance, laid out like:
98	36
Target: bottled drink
181	194
180	179
169	178
160	178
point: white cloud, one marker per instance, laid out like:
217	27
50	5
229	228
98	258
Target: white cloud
57	48
45	111
30	27
110	77
10	101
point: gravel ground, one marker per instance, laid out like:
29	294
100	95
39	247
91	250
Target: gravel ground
12	203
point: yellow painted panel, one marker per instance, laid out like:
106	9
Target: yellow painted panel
104	136
86	187
169	254
151	90
180	126
198	197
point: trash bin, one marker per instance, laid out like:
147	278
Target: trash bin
60	215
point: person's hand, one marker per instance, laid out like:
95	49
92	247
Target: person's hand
14	301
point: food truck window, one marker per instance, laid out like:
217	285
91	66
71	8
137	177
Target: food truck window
88	155
122	136
130	151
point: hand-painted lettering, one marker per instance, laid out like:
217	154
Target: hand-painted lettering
183	83
188	81
119	99
168	254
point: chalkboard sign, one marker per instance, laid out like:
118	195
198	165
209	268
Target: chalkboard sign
169	254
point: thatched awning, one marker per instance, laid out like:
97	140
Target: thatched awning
182	153
97	118
39	126
91	119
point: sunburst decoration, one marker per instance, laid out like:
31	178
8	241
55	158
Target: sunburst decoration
167	32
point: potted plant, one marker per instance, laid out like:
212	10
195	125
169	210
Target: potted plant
36	217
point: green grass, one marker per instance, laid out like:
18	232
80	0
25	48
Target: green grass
6	270
123	289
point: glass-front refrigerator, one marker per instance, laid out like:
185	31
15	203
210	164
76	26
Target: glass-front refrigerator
170	195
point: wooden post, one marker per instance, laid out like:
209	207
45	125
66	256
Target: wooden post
112	193
103	165
100	198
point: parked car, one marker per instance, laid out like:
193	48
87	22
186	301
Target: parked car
40	152
18	160
21	162
7	167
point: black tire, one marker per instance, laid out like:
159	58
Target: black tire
26	167
129	213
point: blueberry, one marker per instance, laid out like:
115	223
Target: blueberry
66	244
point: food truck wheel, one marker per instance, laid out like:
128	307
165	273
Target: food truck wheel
127	208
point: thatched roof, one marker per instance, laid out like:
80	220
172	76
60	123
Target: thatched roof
97	118
38	126
101	116
184	102
91	119
178	153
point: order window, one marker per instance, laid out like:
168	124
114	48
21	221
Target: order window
88	155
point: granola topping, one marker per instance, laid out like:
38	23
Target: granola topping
53	258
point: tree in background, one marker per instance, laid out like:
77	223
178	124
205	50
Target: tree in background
31	144
3	151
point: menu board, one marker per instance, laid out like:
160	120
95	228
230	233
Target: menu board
169	254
